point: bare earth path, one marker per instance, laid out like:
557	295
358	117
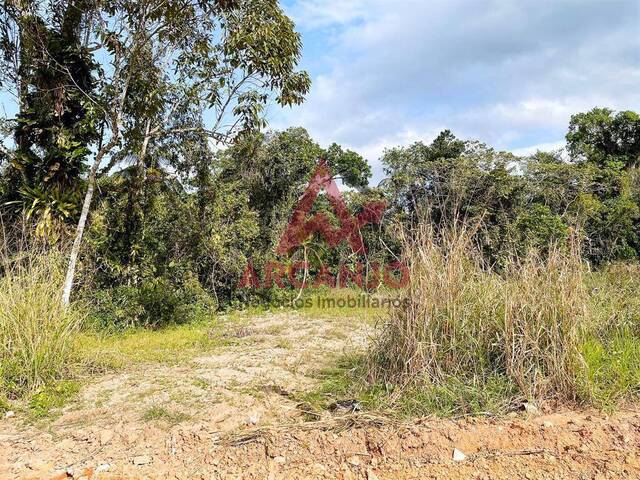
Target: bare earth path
233	413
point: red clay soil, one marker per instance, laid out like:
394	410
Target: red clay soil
567	445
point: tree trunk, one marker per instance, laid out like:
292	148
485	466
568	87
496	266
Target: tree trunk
77	242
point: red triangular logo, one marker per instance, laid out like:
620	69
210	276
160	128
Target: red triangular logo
299	230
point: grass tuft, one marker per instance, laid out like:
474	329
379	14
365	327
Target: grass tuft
157	413
36	331
51	397
474	339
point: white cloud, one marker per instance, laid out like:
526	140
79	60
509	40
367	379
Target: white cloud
324	13
509	73
542	147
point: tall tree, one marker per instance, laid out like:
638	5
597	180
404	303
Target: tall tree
600	137
50	68
224	60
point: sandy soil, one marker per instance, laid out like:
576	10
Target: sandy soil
233	414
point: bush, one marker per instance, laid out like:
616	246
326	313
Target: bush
154	303
36	331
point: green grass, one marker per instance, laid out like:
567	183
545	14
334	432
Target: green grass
168	345
613	369
36	331
344	302
612	377
51	397
345	380
157	413
5	405
329	303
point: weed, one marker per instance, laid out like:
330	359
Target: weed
157	413
51	397
613	369
36	330
168	345
473	339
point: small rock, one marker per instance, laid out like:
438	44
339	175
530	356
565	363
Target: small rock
142	460
345	406
530	408
253	418
458	456
371	475
547	424
354	460
9	414
105	436
280	459
103	468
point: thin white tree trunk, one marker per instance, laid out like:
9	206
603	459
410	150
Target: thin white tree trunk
77	242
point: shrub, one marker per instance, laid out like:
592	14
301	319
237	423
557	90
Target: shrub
154	303
36	331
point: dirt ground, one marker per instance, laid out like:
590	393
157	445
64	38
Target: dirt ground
231	414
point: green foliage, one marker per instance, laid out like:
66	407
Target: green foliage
529	203
101	350
538	228
274	169
613	368
347	165
157	413
57	121
602	138
185	248
451	180
4	404
153	303
52	396
453	396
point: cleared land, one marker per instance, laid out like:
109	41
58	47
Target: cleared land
230	399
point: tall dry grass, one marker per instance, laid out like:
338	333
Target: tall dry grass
36	331
470	323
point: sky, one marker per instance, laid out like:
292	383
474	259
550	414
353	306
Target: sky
507	72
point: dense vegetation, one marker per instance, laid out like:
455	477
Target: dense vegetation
138	157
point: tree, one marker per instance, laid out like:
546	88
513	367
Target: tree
607	146
222	60
600	137
48	65
276	167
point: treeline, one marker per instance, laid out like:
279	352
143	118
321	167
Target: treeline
171	239
136	148
590	189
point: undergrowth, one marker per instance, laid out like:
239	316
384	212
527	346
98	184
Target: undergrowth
36	330
475	339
